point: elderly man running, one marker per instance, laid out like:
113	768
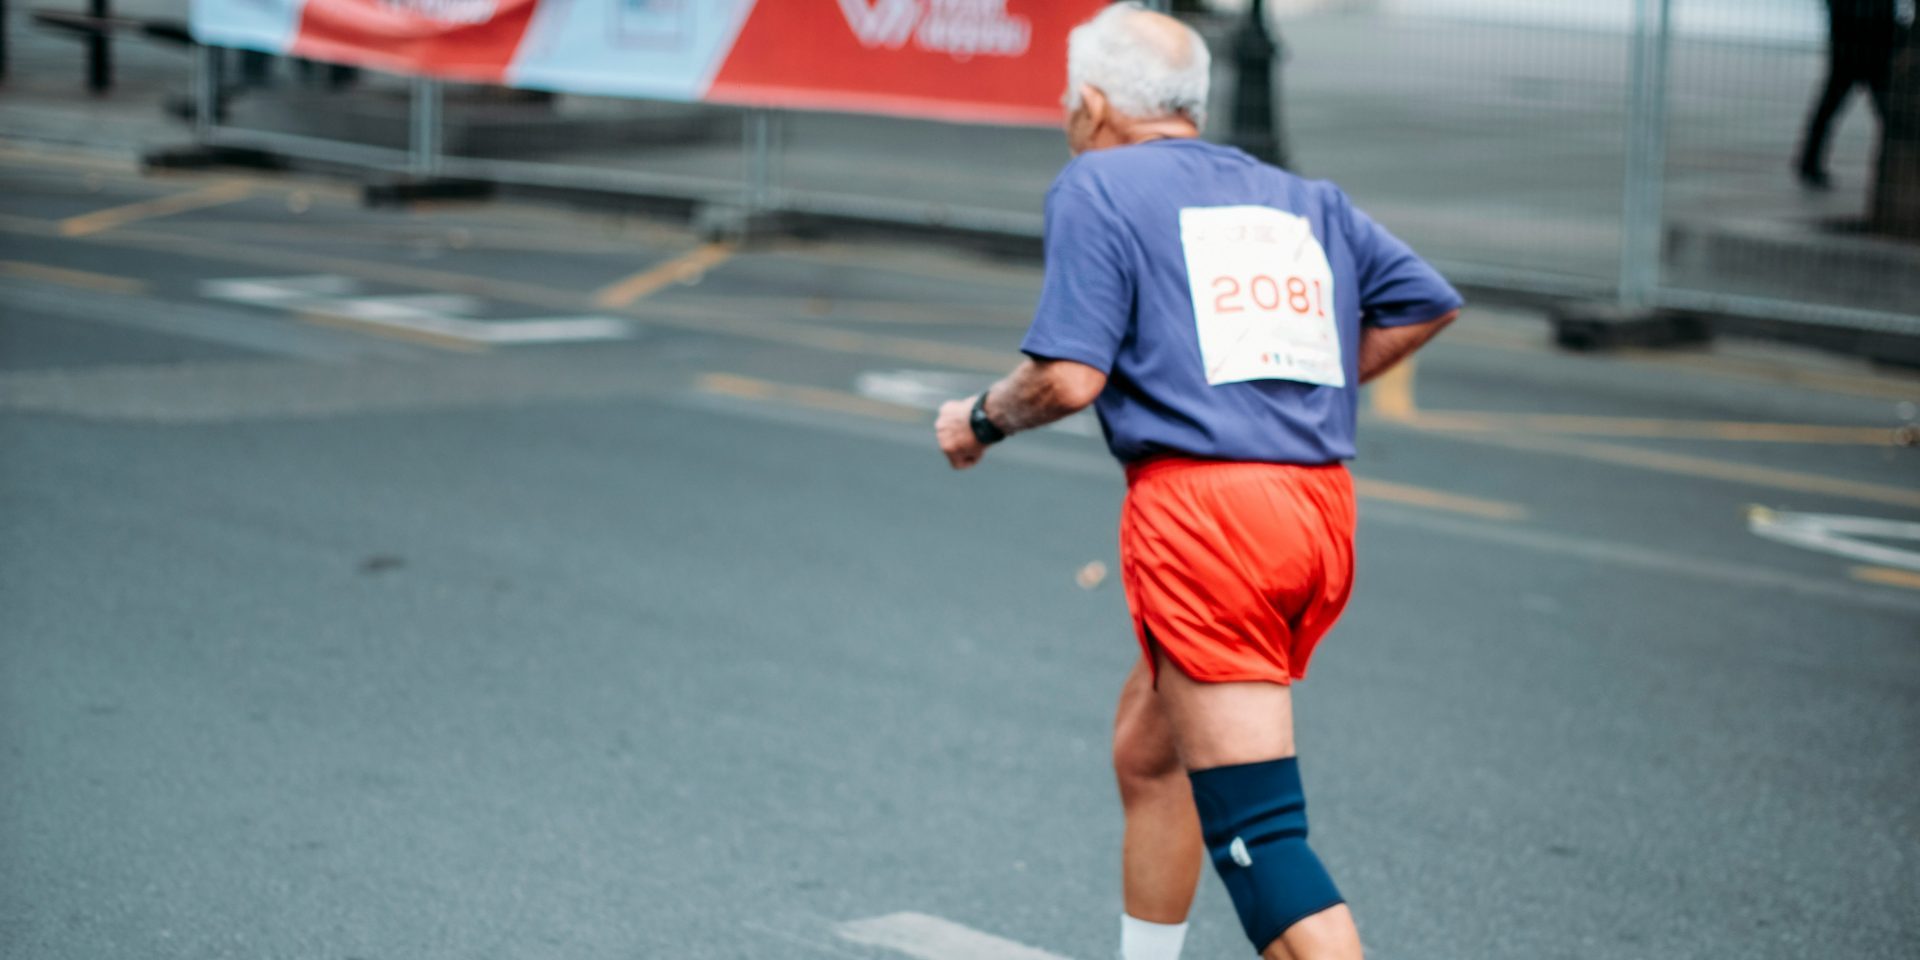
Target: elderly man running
1221	315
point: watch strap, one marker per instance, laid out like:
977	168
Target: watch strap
984	429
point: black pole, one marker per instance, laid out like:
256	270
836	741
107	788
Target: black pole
217	79
1896	187
99	55
1256	116
256	69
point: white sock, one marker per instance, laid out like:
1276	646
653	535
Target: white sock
1142	940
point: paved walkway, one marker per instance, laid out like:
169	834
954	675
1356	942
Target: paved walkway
44	97
333	626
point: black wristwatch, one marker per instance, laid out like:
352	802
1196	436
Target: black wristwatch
983	428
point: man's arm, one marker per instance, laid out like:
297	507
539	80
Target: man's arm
1382	347
1036	393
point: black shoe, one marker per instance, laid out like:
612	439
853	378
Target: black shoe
1814	179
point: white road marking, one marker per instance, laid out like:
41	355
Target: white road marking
928	389
932	938
920	389
441	315
279	291
237	326
1665	564
421	306
557	329
1839	535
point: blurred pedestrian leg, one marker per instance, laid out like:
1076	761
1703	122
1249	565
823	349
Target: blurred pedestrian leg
1860	44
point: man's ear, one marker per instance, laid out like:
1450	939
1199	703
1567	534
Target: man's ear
1094	101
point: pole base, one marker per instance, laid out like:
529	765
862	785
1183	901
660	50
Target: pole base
1588	327
401	191
208	157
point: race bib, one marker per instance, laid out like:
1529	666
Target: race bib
1262	296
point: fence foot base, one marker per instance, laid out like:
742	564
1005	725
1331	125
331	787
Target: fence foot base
724	223
395	193
1877	347
207	157
1609	326
1890	350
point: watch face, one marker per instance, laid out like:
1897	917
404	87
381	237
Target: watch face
984	429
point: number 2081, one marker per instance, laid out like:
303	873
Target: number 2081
1267	294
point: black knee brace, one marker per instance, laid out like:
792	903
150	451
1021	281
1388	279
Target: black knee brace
1254	817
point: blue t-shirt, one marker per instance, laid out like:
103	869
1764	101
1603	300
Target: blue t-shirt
1117	298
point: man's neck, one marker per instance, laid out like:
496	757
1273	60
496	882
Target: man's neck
1159	130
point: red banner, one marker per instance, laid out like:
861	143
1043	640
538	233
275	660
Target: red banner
459	39
994	60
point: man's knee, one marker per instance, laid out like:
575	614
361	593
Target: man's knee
1144	755
1254	817
1143	762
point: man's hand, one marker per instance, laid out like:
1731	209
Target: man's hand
1035	394
954	430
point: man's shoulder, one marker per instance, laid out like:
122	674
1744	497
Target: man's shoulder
1172	169
1144	184
1149	158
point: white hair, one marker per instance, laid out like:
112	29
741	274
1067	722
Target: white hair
1115	54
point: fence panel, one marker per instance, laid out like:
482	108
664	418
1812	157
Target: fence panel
1742	223
1635	149
1491	136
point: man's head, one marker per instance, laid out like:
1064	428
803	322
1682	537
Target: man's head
1134	74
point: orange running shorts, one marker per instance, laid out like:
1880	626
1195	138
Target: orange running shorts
1236	570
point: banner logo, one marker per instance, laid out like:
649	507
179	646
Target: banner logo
885	23
958	28
445	11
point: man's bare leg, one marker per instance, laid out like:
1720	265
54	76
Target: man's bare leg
1162	854
1222	724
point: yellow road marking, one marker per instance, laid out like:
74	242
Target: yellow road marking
921	351
687	266
27	225
423	337
1863	384
896	260
1435	500
1649	428
854	310
1691	466
1497	338
690	317
819	399
835	401
1392	398
64	159
100	220
1392	395
408	233
68	161
72	278
1857	384
1887	576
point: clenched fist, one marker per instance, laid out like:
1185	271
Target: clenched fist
954	430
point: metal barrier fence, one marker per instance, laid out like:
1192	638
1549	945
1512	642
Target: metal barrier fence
1641	150
1633	150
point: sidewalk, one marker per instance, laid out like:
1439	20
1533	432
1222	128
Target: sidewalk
44	98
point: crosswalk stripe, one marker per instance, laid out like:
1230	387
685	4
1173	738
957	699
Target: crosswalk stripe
934	938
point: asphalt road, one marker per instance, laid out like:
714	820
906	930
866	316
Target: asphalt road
491	582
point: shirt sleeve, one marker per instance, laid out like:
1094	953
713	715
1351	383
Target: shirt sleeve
1086	299
1396	286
